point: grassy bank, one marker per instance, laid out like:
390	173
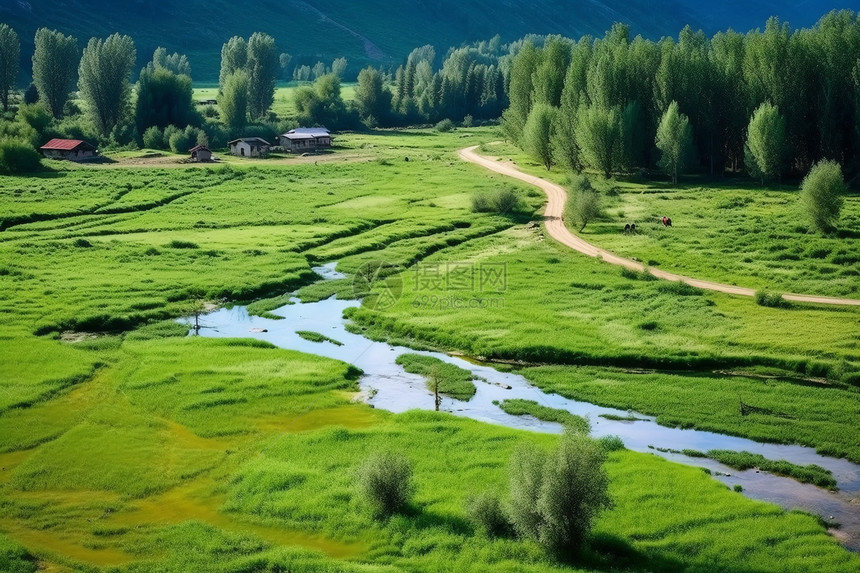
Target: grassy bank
251	464
128	446
451	381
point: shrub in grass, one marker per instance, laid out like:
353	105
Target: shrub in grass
501	201
739	488
583	205
678	288
486	513
771	299
611	443
18	157
821	195
153	138
178	244
385	483
15	558
82	243
556	496
445	126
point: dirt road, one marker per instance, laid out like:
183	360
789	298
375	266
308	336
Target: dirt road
555	227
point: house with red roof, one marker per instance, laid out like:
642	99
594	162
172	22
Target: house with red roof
71	149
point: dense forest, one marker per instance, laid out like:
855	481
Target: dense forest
772	101
776	99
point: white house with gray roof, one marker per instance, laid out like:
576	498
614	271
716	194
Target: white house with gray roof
304	139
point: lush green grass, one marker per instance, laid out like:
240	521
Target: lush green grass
284	104
807	414
145	450
731	231
452	381
520	407
317	337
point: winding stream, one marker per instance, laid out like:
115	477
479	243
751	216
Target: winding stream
386	385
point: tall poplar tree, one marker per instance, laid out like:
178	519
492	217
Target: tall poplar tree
10	55
55	61
104	80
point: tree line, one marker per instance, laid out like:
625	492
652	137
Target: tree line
774	101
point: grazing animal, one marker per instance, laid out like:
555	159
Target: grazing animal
667	222
627	228
632	227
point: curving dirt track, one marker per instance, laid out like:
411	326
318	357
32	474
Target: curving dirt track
555	227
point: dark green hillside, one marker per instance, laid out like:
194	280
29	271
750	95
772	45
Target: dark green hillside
364	32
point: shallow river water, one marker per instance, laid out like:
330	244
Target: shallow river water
389	387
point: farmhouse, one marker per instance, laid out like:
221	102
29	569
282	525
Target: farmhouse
249	147
305	139
201	153
71	149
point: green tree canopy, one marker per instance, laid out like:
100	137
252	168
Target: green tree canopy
164	98
10	55
583	205
234	100
372	100
821	195
598	133
537	133
520	92
176	63
675	141
234	56
262	67
765	147
55	61
556	496
104	80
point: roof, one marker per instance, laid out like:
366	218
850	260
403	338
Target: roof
66	145
251	141
199	148
313	131
299	136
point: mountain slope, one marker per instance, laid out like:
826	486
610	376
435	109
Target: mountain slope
374	31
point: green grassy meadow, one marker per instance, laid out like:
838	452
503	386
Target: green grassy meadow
127	446
284	104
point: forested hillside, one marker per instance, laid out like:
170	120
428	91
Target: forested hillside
371	32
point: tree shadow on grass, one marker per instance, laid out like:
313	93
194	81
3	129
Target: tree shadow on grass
611	553
607	553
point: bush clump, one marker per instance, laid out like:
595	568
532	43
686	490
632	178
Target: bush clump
502	201
487	515
556	496
445	126
17	156
385	483
179	244
771	300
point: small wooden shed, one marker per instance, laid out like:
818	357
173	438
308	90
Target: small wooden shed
71	149
201	154
249	147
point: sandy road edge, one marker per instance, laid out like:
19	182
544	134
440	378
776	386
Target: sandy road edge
557	198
